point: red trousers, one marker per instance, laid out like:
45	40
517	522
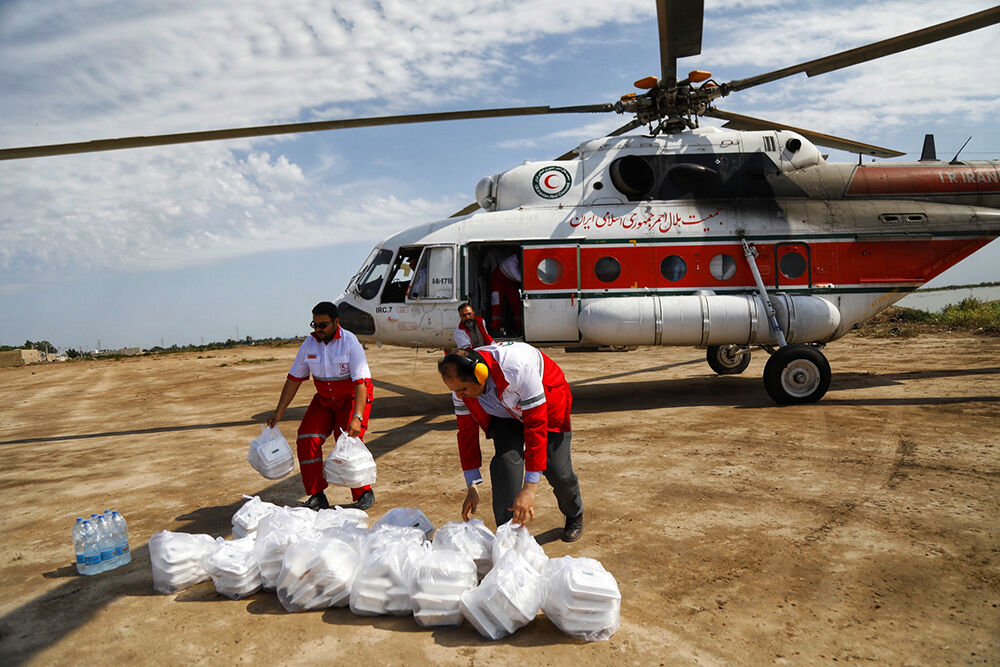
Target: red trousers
503	290
326	416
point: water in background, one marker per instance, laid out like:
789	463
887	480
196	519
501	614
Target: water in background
935	300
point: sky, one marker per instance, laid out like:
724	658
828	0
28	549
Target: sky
209	241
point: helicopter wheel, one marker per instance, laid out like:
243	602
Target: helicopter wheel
728	359
797	374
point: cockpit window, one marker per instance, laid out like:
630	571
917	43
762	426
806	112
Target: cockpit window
400	276
373	273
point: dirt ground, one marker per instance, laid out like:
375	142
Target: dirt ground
862	528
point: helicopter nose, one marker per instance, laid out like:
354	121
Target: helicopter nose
355	320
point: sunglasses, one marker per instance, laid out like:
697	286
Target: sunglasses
320	325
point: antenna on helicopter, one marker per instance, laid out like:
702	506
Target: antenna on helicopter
954	160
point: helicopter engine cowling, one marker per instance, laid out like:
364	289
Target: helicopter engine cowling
706	319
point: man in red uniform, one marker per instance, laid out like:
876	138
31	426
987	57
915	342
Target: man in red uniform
471	330
505	283
521	399
343	401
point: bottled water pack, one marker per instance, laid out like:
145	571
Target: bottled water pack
101	542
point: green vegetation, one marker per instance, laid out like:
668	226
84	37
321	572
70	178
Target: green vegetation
244	360
970	315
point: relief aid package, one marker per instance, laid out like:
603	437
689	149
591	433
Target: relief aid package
247	517
349	464
233	568
406	517
382	585
177	560
275	533
270	454
515	537
472	538
439	580
317	573
507	599
581	598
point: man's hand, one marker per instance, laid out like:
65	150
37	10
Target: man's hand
354	429
471	503
273	420
524	504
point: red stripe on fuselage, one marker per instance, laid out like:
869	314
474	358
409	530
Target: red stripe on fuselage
942	179
641	267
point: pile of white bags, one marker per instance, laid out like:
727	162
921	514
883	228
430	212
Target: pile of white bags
349	464
177	560
270	454
382	584
472	538
317	560
508	598
581	598
406	517
439	580
316	574
234	569
247	517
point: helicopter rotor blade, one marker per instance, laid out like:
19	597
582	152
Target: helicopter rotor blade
631	125
680	27
286	128
740	122
886	47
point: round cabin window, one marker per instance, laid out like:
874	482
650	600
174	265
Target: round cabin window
792	265
550	270
722	267
607	269
673	268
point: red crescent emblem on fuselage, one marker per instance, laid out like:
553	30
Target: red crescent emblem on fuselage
546	182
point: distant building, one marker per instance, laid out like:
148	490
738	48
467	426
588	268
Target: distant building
12	358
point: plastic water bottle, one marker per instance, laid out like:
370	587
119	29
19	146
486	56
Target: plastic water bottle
78	545
122	551
105	541
91	551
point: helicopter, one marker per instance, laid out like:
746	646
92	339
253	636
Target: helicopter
732	239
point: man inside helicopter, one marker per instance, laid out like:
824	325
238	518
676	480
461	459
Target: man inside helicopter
521	400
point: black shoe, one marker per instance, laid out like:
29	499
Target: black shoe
365	502
317	502
573	529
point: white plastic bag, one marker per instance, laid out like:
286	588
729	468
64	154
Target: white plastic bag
508	598
275	532
316	574
512	536
246	518
177	560
234	569
270	454
382	584
581	598
438	582
349	464
406	517
472	538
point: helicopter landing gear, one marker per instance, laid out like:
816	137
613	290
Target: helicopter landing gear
728	359
797	374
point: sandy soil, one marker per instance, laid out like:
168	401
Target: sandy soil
863	528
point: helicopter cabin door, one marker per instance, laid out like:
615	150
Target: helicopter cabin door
793	264
433	283
551	293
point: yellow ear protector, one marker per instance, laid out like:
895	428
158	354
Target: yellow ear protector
474	362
